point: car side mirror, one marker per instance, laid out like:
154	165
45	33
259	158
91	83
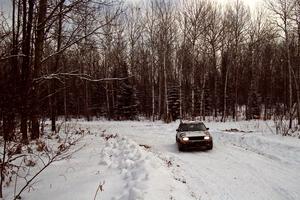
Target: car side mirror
207	128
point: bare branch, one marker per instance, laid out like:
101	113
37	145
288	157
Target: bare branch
58	76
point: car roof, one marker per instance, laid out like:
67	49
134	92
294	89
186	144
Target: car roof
191	122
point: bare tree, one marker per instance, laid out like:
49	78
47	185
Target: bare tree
196	14
165	35
214	38
150	38
237	17
283	11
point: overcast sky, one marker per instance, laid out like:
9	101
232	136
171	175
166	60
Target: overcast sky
251	3
6	4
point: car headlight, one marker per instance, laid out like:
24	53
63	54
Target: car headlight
206	137
185	138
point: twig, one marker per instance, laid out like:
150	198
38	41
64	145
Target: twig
269	127
32	178
100	187
15	187
15	158
52	159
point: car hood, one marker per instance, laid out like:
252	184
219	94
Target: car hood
195	133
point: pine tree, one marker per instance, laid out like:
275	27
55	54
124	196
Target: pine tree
173	102
253	109
127	102
208	101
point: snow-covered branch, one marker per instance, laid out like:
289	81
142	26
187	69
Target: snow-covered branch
59	76
12	56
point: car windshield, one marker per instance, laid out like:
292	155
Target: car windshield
192	127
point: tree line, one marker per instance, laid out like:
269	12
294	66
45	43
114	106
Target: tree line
160	59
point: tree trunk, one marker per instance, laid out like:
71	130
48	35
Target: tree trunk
202	100
26	69
152	86
166	104
107	101
65	99
86	99
10	94
290	76
180	90
234	113
297	80
193	83
215	83
160	94
39	43
225	95
57	61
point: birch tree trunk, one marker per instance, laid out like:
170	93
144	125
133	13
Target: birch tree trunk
202	100
180	89
152	86
167	114
193	82
289	74
215	83
225	95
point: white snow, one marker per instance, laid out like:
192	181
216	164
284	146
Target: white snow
248	162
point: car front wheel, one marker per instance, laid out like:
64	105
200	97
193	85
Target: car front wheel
210	147
180	147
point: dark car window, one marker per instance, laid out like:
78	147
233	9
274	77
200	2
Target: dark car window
192	127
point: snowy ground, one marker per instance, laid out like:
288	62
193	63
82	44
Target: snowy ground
248	162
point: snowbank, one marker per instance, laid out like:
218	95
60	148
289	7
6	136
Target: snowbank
258	136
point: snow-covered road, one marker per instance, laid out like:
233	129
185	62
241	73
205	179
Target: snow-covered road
234	169
248	162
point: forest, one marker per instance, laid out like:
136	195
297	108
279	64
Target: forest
156	59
